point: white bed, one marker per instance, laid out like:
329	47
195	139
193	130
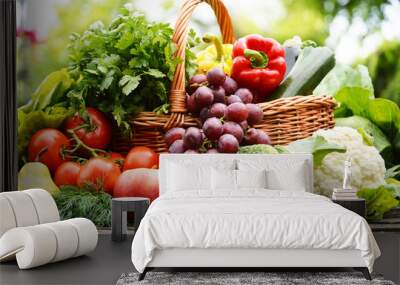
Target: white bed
248	227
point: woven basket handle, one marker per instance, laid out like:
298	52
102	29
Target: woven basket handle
177	96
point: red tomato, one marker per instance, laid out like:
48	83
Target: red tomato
46	146
114	157
117	157
141	157
100	172
67	173
140	182
100	136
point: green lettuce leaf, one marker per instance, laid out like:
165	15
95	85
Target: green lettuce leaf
342	76
49	92
353	90
356	99
385	114
379	201
317	145
382	112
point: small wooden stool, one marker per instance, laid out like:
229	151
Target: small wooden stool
119	208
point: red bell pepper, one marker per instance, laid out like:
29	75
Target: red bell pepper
258	64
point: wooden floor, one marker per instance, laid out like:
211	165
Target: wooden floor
103	266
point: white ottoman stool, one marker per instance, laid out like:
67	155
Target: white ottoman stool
31	232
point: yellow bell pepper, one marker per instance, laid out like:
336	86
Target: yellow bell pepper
215	55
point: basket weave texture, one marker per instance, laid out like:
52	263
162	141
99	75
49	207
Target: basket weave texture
285	119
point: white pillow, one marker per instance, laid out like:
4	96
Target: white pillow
231	180
223	179
293	180
281	174
251	178
182	177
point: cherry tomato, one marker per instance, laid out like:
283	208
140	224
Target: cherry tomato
46	146
141	157
67	173
98	137
100	172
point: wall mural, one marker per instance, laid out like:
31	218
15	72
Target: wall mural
130	89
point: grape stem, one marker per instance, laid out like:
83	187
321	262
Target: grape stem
207	144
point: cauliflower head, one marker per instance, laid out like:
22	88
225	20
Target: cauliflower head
367	169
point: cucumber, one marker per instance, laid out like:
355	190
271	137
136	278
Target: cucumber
310	68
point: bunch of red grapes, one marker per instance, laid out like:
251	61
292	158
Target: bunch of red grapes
227	114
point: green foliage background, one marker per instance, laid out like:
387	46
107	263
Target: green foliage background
35	62
309	19
384	69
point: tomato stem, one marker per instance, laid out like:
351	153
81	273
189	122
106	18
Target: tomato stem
79	143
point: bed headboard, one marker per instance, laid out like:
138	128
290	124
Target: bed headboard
283	161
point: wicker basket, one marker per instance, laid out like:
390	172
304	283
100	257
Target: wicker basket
289	119
285	119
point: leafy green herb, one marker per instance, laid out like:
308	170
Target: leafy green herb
125	67
379	201
83	202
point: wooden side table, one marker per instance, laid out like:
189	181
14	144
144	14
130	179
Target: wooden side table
119	209
357	205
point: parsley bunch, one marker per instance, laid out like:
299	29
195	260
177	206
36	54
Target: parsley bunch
126	67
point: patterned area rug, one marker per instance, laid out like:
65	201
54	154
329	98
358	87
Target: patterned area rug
242	278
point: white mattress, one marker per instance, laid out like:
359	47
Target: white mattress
253	219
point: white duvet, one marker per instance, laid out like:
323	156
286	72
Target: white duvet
250	219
